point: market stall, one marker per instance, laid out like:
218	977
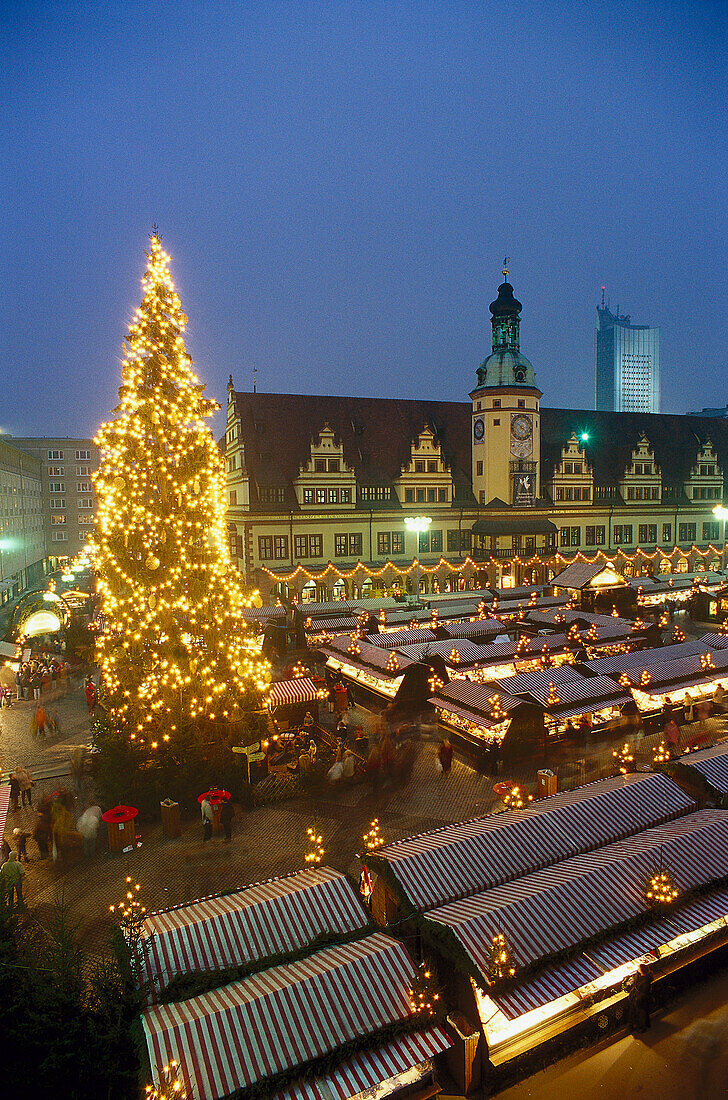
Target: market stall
704	774
571	703
596	585
290	700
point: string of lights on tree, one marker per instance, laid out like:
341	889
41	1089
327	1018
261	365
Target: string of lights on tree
500	963
316	850
423	994
175	645
373	839
170	1084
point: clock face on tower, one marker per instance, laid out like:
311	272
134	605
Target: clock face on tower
478	429
521	435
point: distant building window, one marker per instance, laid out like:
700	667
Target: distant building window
59	536
374	492
687	532
333	465
647	534
496	423
280	547
409	496
58	520
521	403
711	531
595	536
233	496
308	546
347	546
320	496
398	542
265	547
57	471
58	502
497	403
86	518
319	465
57	487
481	496
432	466
346	496
81	471
84	487
431	494
272	495
622	534
53	456
88	502
384	543
308	496
442	496
419	467
81	455
667	532
570	536
333	496
478	469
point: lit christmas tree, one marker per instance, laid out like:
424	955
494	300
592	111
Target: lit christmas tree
175	649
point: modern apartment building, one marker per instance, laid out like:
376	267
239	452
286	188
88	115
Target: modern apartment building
23	558
627	364
69	499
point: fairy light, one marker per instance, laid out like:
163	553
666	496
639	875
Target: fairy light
435	683
677	635
645	678
130	912
497	714
615	613
298	671
660	753
706	661
515	798
353	649
175	645
523	645
423	996
393	662
500	959
623	758
317	850
454	656
661	888
171	1084
553	698
373	839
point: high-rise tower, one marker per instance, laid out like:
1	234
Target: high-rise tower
506	420
627	364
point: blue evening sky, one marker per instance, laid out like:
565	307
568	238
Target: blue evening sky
338	183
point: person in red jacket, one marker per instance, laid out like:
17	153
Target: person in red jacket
90	692
444	755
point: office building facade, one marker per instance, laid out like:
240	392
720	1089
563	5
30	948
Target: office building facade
627	364
23	559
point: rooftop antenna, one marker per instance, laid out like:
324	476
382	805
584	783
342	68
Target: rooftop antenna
255	374
506	261
603	289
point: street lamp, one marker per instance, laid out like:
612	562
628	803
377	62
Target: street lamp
417	524
721	513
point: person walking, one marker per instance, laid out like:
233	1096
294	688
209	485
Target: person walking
227	813
14	791
207	819
672	736
444	755
40	721
42	833
88	826
11	876
5	851
25	779
21	838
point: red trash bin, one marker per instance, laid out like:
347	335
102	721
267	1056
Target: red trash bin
120	826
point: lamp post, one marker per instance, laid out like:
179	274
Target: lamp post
721	513
417	524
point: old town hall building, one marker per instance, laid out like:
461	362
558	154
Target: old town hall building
318	488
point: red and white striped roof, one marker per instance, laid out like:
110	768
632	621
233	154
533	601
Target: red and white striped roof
284	692
458	860
568	903
401	637
712	764
281	1018
4	804
372	1067
566	977
267	919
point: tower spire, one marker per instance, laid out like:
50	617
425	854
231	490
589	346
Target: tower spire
505	271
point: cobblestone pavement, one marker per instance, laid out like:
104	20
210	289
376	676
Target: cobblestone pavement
267	841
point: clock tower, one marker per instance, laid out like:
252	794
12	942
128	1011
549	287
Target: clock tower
506	422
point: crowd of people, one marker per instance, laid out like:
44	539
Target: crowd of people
40	675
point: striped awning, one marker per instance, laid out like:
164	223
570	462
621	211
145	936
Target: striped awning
270	918
372	1067
559	907
460	860
281	1018
285	692
567	977
469	653
332	626
481	628
644	658
401	637
4	804
712	764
